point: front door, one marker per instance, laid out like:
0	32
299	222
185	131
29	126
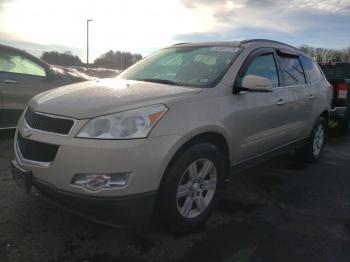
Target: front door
260	122
20	80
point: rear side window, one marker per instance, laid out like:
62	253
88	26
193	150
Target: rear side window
312	71
264	66
291	70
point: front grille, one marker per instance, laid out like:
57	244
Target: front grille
36	151
48	123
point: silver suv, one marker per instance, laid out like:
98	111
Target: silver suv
160	139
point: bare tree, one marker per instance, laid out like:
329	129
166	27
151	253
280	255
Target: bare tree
327	55
346	54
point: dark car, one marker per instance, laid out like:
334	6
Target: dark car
338	74
23	76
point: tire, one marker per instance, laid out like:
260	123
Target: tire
314	146
186	196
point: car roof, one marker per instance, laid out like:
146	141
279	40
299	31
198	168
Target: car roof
245	43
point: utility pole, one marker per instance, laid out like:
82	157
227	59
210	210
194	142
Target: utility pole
87	42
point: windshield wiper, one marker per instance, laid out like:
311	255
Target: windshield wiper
161	81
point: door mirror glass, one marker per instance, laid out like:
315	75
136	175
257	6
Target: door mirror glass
257	83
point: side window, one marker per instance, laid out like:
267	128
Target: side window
291	71
264	66
10	62
31	68
312	71
13	63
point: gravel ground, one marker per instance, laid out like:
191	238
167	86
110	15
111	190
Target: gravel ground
281	210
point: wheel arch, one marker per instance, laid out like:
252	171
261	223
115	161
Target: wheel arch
216	138
325	114
212	137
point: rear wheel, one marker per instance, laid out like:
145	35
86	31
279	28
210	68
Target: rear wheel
313	149
190	188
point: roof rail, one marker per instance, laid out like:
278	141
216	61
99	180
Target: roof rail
180	44
265	40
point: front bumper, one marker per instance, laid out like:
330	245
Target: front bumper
127	211
338	112
144	159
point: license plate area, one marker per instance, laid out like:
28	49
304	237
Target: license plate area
22	177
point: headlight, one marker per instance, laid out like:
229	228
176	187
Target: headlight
136	123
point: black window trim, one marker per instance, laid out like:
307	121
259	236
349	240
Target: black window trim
24	75
244	67
308	82
286	53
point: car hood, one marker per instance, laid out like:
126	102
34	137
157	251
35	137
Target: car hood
95	98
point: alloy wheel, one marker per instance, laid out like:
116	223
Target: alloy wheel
318	140
196	188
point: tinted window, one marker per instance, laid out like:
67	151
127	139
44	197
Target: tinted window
13	63
312	72
264	66
291	71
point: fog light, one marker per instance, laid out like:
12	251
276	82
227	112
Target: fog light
95	182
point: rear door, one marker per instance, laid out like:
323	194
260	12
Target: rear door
20	80
316	88
300	96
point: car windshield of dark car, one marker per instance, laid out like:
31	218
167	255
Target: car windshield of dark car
187	66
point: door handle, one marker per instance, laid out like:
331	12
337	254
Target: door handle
281	102
311	96
10	82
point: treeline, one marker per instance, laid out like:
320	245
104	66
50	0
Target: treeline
117	60
63	59
323	55
112	59
121	60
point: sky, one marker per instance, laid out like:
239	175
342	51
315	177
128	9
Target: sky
144	26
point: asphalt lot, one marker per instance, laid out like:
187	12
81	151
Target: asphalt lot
281	210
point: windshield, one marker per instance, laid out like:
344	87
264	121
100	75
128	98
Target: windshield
187	66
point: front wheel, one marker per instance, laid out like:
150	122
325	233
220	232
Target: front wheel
313	149
190	188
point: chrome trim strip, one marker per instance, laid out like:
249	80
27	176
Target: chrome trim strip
7	128
338	108
52	116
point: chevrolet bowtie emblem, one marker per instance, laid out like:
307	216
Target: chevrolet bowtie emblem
26	132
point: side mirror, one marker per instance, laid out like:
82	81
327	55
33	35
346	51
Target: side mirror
50	73
257	83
